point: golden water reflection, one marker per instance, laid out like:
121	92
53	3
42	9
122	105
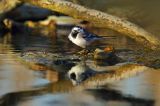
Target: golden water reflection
15	77
123	82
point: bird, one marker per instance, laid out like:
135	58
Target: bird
81	37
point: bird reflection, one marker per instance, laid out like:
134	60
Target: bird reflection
80	72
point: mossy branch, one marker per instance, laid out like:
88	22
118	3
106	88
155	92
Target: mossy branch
100	19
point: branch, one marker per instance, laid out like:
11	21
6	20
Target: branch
7	5
100	19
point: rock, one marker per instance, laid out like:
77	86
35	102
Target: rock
29	12
15	27
106	57
33	28
44	27
54	61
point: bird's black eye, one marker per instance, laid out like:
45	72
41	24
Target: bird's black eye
74	34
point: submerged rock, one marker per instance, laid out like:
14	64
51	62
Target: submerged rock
106	56
55	61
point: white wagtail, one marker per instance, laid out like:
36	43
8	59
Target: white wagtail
82	37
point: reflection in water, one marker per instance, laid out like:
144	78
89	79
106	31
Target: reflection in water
66	94
80	72
96	85
92	75
95	97
118	72
15	77
110	95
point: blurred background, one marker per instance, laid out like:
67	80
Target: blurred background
36	57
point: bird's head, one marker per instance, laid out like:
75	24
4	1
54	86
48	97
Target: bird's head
77	30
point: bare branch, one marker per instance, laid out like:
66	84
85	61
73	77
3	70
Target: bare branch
100	19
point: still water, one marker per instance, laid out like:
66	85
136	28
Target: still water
35	85
78	83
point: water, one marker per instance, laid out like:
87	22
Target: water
72	82
38	85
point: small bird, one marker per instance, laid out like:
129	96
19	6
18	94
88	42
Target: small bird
82	37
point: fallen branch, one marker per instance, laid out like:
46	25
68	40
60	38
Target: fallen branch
6	6
100	19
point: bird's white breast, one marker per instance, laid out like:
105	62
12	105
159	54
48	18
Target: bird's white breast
79	41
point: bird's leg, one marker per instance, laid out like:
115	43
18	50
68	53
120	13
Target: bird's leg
84	52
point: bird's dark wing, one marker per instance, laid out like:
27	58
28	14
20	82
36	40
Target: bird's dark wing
90	36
